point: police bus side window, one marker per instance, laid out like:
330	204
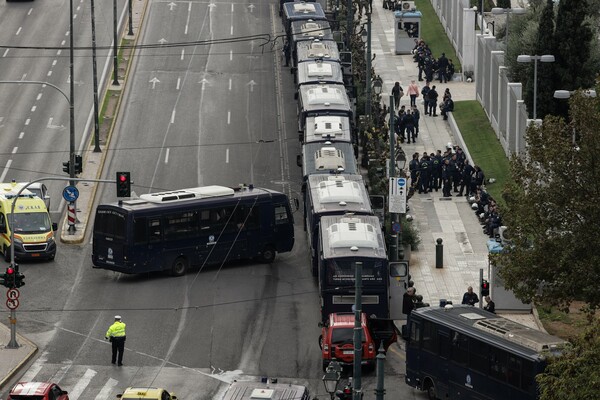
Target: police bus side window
281	216
154	234
139	230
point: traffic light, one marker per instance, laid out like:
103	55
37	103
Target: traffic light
19	277
485	288
9	277
78	164
67	167
123	184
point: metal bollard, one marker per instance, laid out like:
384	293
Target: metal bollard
439	254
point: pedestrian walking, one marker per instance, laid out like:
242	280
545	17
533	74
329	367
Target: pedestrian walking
413	92
287	52
397	92
116	335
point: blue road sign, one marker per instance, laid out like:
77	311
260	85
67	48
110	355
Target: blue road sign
70	193
401	182
396	227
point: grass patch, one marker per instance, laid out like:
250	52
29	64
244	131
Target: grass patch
434	34
566	325
484	147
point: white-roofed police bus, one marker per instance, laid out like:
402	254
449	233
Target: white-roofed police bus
169	231
266	389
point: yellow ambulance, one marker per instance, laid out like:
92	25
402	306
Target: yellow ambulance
33	230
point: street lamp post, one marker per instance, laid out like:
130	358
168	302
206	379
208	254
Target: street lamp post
565	95
523	58
487	27
332	376
508	12
400	163
366	38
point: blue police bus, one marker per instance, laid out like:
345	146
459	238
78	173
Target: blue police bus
463	352
169	231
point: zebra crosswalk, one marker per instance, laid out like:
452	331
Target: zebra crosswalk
103	382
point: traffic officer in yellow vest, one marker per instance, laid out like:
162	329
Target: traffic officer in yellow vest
116	335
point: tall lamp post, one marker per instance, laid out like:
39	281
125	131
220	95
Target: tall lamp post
366	38
332	376
565	95
400	164
523	58
508	12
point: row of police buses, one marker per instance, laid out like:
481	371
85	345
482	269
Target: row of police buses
341	226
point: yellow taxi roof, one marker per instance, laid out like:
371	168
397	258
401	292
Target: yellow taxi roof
134	393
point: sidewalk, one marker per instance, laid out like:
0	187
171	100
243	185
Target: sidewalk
13	359
451	219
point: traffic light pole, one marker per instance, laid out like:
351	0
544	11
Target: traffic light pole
13	314
480	291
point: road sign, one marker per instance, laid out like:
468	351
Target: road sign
397	197
12	293
12	304
395	227
70	193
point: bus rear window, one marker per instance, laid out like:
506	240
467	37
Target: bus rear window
109	223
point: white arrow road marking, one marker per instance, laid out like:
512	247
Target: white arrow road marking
251	84
172	6
107	389
81	384
163	41
52	126
154	81
251	7
211	6
203	82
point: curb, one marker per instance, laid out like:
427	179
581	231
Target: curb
24	361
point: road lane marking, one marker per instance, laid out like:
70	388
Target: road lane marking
227	156
14	150
21	135
39	96
228	117
232	8
30	11
229	84
18	31
27	121
167	155
33	108
231	30
182	54
81	384
6	168
107	389
187	22
173	117
5	53
230	55
54	62
49	73
178	83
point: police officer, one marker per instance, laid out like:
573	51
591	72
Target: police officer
425	170
116	335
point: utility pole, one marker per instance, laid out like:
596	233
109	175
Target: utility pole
357	389
394	235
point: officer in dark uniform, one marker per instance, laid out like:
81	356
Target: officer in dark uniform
425	172
466	179
413	167
435	172
446	173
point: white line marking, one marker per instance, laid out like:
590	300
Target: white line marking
30	11
18	31
27	121
178	83
107	389
167	155
21	135
230	84
15	150
227	156
49	73
39	96
231	29
33	108
230	55
54	62
6	168
81	384
58	52
182	54
228	117
173	117
5	53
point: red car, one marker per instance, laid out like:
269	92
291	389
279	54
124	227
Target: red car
37	391
337	338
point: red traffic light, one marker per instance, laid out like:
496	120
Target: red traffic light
122	178
10	270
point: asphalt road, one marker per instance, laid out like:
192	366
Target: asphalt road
218	113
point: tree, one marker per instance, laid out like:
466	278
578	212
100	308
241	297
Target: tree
545	80
576	373
574	38
503	3
552	211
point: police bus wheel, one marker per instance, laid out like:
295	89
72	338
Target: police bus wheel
430	388
179	266
268	255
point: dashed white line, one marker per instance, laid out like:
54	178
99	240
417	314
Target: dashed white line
30	11
178	83
18	31
227	156
230	55
229	83
231	30
6	168
27	121
49	73
14	150
54	62
33	108
5	52
39	96
182	54
167	156
228	117
64	41
59	51
173	117
21	135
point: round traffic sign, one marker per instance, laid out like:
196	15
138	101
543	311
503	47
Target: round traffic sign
12	304
396	227
12	293
70	193
401	182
